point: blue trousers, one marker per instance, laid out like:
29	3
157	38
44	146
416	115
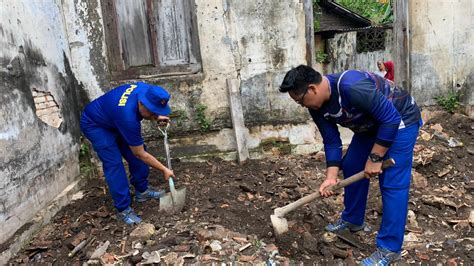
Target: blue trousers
394	185
111	147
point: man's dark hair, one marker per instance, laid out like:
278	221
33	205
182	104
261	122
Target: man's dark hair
298	79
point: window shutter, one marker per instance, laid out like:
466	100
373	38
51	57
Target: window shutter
133	33
172	35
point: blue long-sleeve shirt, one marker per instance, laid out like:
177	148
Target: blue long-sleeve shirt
366	104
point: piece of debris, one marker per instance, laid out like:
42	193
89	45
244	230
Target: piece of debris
244	247
215	245
100	250
142	232
245	258
453	143
419	181
153	257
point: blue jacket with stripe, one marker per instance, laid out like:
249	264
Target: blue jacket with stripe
367	104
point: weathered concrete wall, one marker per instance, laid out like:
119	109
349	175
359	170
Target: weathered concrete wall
253	41
39	131
442	50
343	53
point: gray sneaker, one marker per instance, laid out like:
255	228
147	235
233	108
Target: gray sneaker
381	257
129	217
149	194
340	225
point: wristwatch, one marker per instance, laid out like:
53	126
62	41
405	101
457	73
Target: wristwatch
375	158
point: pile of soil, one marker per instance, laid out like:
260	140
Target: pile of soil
227	214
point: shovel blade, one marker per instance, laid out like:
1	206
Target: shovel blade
178	199
166	203
173	203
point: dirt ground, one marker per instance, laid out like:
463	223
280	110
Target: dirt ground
227	214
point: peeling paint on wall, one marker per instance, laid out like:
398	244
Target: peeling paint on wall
442	54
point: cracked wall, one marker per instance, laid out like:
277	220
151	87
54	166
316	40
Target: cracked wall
253	41
39	132
442	50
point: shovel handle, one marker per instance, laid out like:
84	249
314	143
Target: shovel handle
280	212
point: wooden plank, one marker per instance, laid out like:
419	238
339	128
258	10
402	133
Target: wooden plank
173	45
401	49
111	36
233	92
133	33
309	32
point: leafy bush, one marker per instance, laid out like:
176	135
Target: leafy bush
377	11
449	102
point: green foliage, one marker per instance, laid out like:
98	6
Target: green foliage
377	11
316	15
321	56
84	151
449	102
201	118
85	163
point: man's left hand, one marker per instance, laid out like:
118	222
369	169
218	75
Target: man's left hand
372	169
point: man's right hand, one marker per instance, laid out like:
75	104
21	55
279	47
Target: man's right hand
167	173
326	184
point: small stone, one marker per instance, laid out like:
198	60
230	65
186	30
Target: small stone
138	245
425	135
143	232
153	257
437	127
412	218
419	181
216	245
171	259
453	143
411	237
462	227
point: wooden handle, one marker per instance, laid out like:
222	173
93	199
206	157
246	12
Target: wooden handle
343	183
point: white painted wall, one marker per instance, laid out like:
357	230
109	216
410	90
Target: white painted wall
442	50
37	160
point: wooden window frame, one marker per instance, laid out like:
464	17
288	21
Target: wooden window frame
116	63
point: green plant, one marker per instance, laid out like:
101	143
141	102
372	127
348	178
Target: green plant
201	118
377	11
316	15
321	57
85	164
449	102
84	151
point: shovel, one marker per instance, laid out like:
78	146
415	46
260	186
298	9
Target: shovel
172	201
280	224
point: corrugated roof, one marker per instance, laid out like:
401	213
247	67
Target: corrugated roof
335	17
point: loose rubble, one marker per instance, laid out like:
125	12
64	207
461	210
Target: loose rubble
226	217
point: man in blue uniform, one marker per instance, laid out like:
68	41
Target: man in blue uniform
385	121
112	124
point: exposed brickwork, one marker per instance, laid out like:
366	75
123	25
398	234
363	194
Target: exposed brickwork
47	109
